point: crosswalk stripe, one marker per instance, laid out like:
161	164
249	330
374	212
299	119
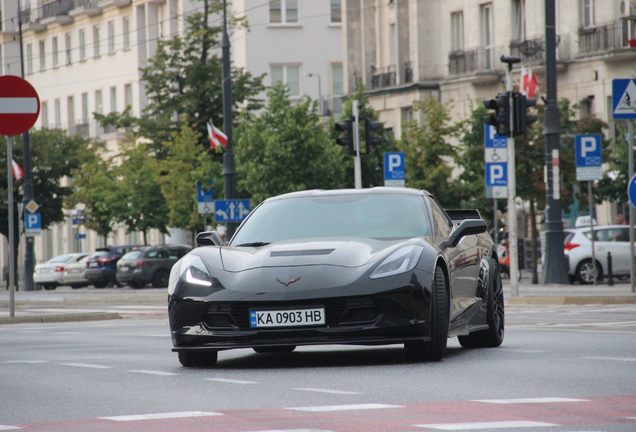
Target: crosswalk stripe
484	425
531	400
86	365
345	407
7	427
161	416
340	392
230	381
150	372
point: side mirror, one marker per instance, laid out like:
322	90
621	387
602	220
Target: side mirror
465	228
209	238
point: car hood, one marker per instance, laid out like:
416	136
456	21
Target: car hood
352	252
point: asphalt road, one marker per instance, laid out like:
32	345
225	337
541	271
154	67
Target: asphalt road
561	368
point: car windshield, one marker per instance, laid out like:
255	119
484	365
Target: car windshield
132	255
370	216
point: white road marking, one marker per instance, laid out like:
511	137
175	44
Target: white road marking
531	400
26	361
231	381
86	365
340	392
150	372
484	425
7	427
624	359
162	416
345	407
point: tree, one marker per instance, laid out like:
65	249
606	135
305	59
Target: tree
428	152
285	149
186	164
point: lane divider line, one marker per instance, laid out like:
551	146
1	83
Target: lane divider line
230	381
8	427
531	400
151	372
340	392
485	425
87	365
345	407
162	416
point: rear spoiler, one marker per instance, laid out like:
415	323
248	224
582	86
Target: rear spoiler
461	214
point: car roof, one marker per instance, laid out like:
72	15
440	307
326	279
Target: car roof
380	190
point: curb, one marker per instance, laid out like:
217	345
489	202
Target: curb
96	316
571	300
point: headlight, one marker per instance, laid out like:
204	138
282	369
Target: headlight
400	261
192	270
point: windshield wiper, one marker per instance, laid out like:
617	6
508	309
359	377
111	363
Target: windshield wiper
254	244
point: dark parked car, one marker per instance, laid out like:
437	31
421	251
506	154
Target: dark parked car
101	266
363	267
149	265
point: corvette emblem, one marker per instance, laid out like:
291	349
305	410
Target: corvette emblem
291	281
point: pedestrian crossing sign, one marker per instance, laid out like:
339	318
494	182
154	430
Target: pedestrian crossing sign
624	99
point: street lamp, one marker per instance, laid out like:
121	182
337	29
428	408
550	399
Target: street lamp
307	74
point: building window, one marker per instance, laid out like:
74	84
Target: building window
587	9
487	35
111	37
289	76
96	41
44	113
99	109
336	11
337	87
69	59
113	99
519	20
29	58
58	114
82	44
457	31
56	57
70	109
85	108
283	11
128	96
42	55
126	25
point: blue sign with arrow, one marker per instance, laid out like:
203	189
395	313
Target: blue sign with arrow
235	210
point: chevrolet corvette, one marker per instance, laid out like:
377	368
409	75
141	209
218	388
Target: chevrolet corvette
373	266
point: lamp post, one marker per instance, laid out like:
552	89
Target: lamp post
308	74
229	170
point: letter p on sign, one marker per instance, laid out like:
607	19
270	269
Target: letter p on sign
588	145
394	162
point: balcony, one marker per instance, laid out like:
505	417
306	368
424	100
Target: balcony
115	3
56	11
614	40
85	7
82	129
383	77
30	22
532	51
478	65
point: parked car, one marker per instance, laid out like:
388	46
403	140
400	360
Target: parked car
101	266
149	265
50	274
578	249
73	275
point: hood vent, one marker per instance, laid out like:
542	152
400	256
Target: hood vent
308	252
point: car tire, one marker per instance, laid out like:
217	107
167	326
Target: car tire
49	287
275	349
76	286
100	284
192	359
495	315
160	279
434	349
584	272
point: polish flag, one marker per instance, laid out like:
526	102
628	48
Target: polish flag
17	171
217	137
528	82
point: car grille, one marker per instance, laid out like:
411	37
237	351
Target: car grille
338	311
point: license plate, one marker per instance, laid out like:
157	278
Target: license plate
287	318
75	271
93	264
124	268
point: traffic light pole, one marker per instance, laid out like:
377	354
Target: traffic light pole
229	170
357	166
554	265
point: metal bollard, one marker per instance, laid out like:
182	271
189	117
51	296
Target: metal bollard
610	274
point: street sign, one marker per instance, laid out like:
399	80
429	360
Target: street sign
496	174
32	224
631	191
231	210
394	169
32	206
624	99
78	221
80	236
588	157
492	140
205	199
19	105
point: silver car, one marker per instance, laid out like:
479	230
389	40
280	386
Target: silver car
612	239
50	274
74	274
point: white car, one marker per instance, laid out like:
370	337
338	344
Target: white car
74	274
50	274
577	247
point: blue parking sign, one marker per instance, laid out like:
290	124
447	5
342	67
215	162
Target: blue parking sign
588	156
496	174
492	140
32	224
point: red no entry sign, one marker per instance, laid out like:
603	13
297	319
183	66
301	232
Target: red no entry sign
19	105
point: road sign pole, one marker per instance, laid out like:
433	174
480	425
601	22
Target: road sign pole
356	146
632	213
590	198
496	221
11	226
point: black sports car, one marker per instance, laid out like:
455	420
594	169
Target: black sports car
366	267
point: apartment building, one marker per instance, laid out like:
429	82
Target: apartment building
83	56
405	50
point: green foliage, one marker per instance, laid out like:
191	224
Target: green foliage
285	149
429	154
613	186
185	165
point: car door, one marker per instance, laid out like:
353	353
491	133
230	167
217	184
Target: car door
614	240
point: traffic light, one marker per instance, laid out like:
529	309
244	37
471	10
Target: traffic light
346	140
370	140
522	119
500	119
